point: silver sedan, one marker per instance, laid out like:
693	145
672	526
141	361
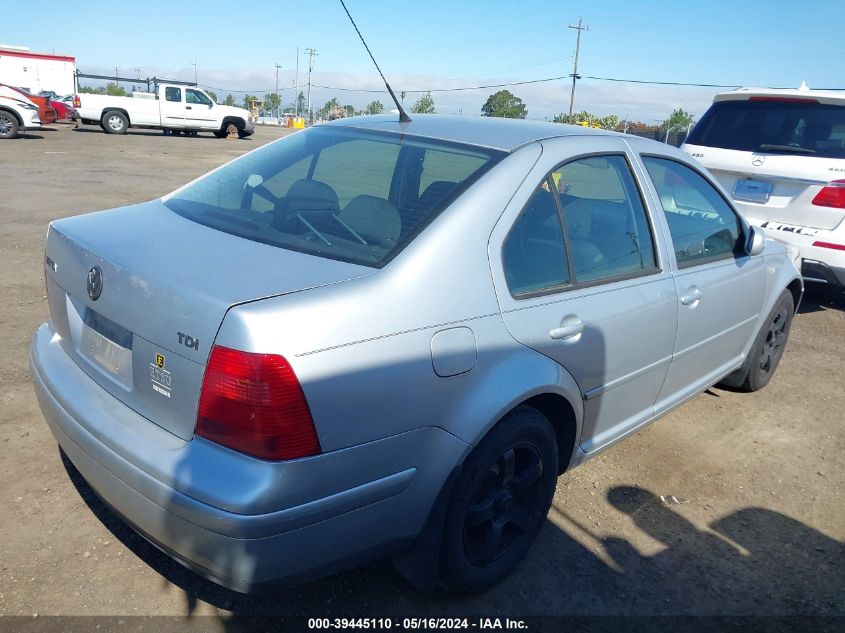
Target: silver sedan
382	339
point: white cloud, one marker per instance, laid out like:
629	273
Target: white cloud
632	101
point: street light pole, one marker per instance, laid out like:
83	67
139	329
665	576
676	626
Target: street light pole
277	92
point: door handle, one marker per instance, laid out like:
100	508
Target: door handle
187	107
692	297
571	327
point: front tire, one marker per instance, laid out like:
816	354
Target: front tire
115	122
8	125
499	502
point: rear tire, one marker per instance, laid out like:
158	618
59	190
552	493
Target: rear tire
768	348
8	125
115	122
499	502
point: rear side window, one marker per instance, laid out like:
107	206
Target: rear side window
172	93
803	128
333	192
586	223
533	254
609	234
702	224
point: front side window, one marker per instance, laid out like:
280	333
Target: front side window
338	193
195	96
702	224
609	234
172	93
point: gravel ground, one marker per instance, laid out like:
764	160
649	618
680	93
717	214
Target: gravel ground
732	504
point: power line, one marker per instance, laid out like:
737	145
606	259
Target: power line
530	81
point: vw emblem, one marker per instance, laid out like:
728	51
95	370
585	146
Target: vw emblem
95	283
757	159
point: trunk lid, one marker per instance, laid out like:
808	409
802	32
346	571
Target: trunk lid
166	284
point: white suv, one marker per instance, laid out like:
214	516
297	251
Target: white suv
781	155
16	113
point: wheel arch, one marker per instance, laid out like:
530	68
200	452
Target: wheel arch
233	119
121	110
13	113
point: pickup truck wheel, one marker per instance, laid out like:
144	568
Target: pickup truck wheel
220	133
499	502
232	129
115	122
8	125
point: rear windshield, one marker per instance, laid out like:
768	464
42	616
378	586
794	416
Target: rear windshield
800	128
345	194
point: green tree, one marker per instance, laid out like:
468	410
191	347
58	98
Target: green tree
229	100
504	104
609	122
249	100
349	110
330	106
212	94
678	120
424	105
114	90
272	101
91	90
301	103
374	107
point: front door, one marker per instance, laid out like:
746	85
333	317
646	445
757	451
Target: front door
198	110
720	288
582	281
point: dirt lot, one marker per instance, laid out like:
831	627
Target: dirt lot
753	520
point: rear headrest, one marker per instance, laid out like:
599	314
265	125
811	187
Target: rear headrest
315	190
374	219
436	193
578	219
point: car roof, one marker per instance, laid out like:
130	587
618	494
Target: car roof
491	132
823	96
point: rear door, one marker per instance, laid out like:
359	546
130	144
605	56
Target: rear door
580	278
172	106
720	288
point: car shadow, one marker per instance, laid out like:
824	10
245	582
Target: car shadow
134	132
753	562
818	297
28	136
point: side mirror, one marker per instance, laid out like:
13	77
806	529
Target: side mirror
756	241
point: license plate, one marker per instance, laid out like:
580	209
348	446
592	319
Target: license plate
752	191
110	356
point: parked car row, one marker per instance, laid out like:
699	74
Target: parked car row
17	105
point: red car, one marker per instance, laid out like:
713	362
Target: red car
45	112
63	111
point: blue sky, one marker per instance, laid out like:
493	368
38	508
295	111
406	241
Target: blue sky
436	44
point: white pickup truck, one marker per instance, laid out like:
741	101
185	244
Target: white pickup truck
178	109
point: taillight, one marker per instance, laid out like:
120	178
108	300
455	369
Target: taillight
253	403
77	102
836	247
831	195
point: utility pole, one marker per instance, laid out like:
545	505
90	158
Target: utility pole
116	69
278	102
138	70
311	53
296	85
578	28
195	70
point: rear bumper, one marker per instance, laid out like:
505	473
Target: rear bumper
818	271
311	529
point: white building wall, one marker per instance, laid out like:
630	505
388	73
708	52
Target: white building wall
37	73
